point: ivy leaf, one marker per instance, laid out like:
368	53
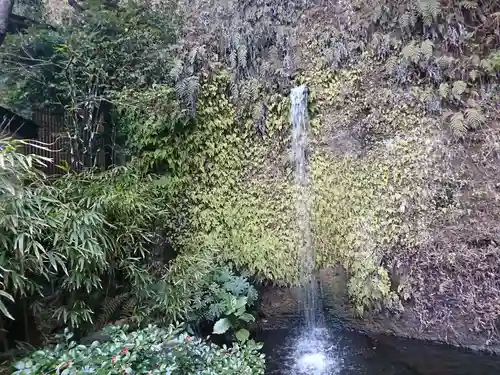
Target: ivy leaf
242	335
221	326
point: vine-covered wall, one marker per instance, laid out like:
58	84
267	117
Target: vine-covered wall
403	115
404	144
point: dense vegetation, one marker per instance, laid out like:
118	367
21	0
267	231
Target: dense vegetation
151	350
405	154
405	161
85	249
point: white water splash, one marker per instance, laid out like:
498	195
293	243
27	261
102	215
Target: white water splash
315	354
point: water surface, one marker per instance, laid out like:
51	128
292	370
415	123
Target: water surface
336	350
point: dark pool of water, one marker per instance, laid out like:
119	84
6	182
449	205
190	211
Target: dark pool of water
335	350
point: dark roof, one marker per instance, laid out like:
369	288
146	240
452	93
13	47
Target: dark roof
17	125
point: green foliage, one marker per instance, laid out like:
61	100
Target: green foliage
147	249
152	350
65	65
215	175
226	301
211	116
223	289
368	180
70	243
389	184
494	61
361	209
80	65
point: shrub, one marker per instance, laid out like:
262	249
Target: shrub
225	301
152	350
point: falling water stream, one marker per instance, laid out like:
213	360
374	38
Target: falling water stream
300	151
312	354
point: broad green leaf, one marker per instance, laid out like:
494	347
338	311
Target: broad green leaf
242	335
241	302
247	317
221	326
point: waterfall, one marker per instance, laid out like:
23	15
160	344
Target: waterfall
300	151
314	353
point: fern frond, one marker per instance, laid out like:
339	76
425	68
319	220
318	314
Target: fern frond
250	90
128	308
234	88
474	118
177	68
411	51
390	64
457	124
242	55
181	88
110	306
468	4
376	40
265	68
196	53
405	20
429	10
427	48
445	61
233	59
193	86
